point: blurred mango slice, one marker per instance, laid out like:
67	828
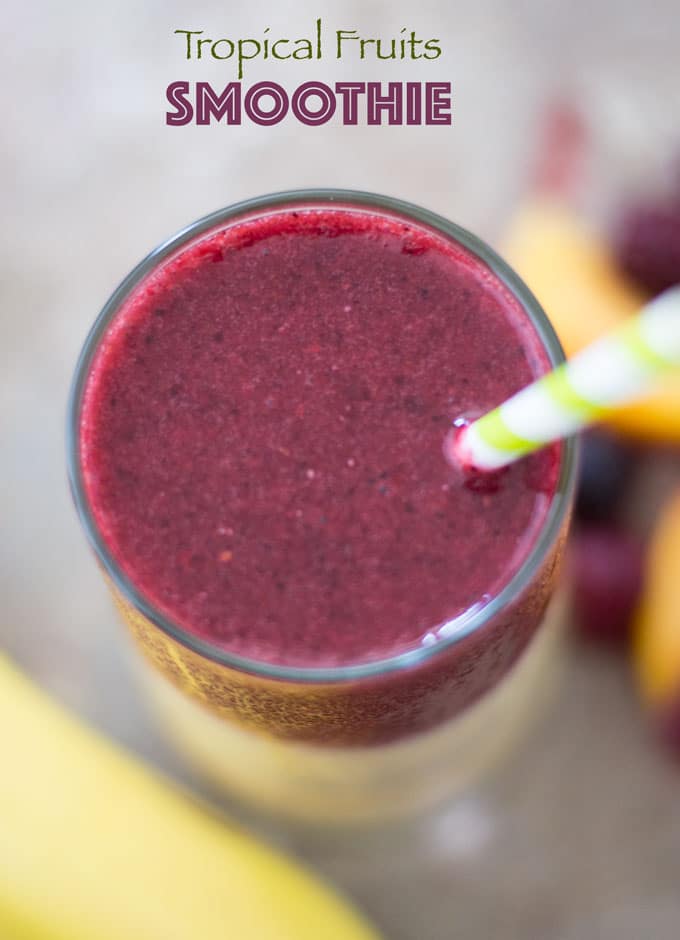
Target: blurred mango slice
574	277
656	649
94	846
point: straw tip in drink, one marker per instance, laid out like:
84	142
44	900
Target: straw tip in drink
456	452
459	455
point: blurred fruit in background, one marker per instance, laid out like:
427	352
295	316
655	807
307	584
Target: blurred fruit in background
585	282
647	243
605	567
571	272
577	282
605	559
588	282
95	846
607	466
656	648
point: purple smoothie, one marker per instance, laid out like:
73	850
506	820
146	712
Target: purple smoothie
261	443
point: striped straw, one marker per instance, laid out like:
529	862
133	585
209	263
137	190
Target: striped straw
577	393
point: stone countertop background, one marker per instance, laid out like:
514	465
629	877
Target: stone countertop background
578	837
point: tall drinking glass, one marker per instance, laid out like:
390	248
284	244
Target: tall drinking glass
303	702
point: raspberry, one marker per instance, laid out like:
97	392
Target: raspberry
606	567
647	245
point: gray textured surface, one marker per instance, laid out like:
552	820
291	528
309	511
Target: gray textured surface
579	837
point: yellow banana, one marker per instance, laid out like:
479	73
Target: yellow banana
95	846
656	648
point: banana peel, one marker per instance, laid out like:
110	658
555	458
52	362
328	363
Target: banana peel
576	281
95	846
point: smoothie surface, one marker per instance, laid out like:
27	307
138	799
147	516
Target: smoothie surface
262	428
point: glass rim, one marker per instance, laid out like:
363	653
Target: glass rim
470	620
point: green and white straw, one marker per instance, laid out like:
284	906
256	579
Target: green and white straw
579	392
